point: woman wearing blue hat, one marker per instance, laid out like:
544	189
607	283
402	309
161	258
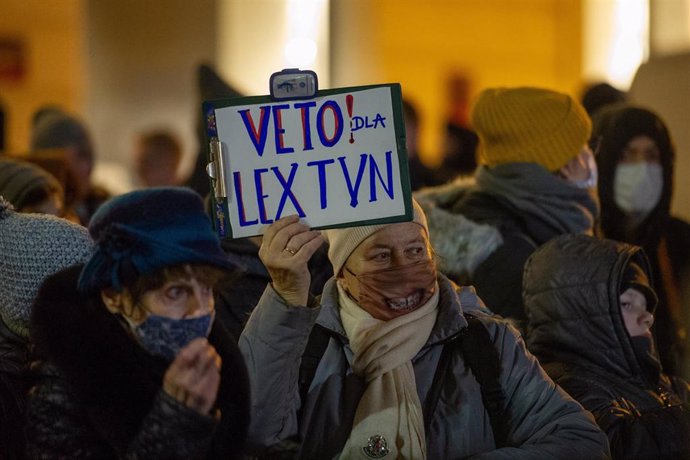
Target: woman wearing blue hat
133	364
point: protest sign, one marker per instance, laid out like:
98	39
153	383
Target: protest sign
335	160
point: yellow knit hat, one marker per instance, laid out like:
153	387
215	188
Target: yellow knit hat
529	125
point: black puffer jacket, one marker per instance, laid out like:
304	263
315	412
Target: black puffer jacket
576	329
13	388
99	395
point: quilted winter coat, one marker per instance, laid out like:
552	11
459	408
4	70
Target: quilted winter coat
571	293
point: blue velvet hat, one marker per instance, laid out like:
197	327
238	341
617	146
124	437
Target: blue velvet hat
141	232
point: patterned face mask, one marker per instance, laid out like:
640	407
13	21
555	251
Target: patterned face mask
392	292
165	337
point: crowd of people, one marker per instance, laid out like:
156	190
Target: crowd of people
534	306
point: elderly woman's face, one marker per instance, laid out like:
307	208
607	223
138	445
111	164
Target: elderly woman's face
394	246
180	297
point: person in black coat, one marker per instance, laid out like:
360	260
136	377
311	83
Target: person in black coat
133	364
590	307
33	247
636	161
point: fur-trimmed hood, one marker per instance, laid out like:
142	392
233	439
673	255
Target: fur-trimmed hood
112	378
460	243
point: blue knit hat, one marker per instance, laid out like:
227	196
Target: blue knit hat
141	232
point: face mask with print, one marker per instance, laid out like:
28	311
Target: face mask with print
398	290
638	186
165	337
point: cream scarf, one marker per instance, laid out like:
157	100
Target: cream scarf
389	421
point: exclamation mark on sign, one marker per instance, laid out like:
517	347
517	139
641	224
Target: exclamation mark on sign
349	102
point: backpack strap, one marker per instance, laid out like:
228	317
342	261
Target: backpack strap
449	347
482	358
316	347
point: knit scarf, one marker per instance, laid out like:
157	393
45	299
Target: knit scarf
533	190
388	421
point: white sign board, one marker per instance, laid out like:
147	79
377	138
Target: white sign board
338	159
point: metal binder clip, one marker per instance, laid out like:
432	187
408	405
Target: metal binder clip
216	169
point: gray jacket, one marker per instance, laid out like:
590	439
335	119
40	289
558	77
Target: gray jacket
544	421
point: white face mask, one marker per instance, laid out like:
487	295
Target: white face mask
637	186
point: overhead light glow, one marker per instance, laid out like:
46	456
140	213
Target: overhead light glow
304	31
629	46
300	52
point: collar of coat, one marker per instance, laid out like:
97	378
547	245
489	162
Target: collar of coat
461	244
110	376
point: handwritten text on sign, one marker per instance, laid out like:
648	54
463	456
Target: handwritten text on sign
331	160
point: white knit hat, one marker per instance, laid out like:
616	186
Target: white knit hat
33	247
343	241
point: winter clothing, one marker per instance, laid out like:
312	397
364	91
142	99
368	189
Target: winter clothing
483	230
20	180
342	241
14	385
531	125
237	296
382	355
33	246
572	286
143	231
665	239
543	420
634	277
99	394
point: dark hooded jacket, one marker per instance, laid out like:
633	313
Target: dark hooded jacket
665	239
99	394
576	330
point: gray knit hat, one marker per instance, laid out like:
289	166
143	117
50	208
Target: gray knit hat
343	241
19	179
33	247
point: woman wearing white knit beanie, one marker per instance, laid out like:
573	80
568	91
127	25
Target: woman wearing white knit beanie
398	373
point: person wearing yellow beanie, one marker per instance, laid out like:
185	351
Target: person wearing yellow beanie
397	373
529	125
536	180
